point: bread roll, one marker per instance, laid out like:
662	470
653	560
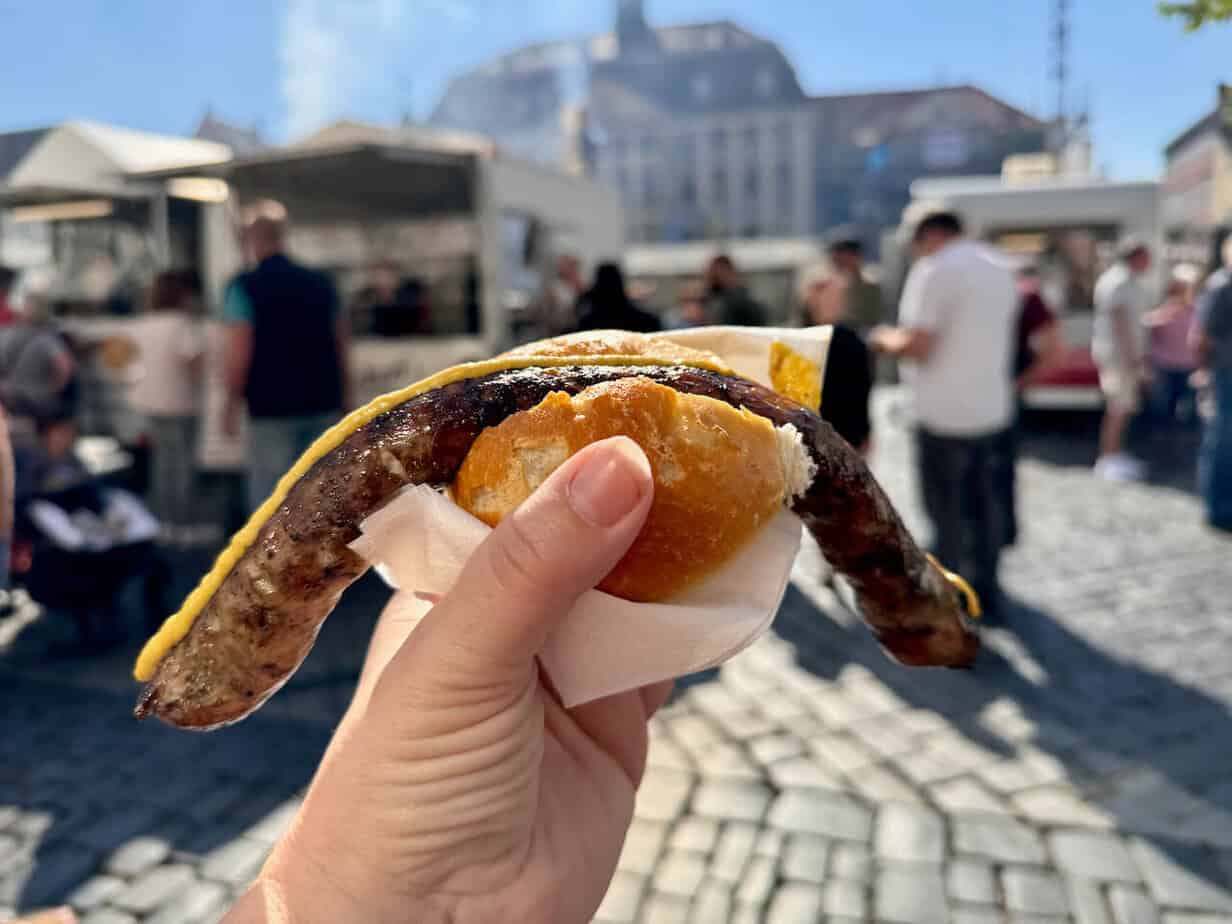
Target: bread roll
719	474
616	343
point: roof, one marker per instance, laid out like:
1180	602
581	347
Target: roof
134	151
240	140
14	146
349	132
701	81
92	159
697	67
946	187
1208	123
887	108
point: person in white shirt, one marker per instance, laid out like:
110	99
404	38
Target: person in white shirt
1118	346
171	349
955	338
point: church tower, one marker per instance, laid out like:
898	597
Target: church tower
632	30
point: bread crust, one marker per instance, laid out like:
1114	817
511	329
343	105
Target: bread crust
718	475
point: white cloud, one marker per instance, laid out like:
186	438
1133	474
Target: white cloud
335	53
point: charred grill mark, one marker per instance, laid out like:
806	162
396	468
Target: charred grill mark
248	639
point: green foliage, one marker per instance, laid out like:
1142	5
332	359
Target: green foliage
1197	13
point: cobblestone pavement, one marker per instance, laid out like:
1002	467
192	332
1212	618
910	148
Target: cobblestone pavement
1082	772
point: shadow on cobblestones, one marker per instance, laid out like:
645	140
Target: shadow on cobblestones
100	810
1071	440
148	795
1147	752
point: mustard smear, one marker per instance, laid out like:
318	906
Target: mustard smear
974	610
795	376
177	625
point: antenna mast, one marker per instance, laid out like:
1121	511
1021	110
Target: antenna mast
1060	70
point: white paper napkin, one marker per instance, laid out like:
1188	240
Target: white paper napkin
747	349
420	541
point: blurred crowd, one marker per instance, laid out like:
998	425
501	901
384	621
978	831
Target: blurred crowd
972	332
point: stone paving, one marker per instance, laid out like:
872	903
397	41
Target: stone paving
1081	773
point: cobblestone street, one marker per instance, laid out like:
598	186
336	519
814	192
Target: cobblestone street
1081	772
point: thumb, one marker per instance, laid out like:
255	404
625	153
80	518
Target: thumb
525	577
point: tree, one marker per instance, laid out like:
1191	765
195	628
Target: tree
1198	13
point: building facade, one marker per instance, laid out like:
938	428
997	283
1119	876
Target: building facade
707	133
1197	195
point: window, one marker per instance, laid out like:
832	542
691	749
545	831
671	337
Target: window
718	143
784	139
752	146
650	147
686	153
765	82
688	191
752	184
718	184
702	87
783	195
650	187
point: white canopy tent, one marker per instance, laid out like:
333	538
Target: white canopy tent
83	170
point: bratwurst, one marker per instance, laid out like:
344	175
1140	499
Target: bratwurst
254	619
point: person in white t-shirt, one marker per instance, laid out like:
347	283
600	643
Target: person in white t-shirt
955	338
1118	346
171	349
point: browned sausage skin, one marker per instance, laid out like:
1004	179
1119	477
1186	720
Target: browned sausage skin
258	627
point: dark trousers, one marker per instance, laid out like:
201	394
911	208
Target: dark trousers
1171	392
967	486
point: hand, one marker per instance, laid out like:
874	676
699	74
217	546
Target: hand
458	788
879	338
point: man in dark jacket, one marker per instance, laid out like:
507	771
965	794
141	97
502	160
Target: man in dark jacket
729	301
286	356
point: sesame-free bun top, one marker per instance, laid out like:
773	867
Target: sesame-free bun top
719	474
616	343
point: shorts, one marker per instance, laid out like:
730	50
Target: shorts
1122	388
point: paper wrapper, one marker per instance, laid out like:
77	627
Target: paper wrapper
420	541
791	360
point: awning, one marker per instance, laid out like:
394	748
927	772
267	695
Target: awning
88	160
348	182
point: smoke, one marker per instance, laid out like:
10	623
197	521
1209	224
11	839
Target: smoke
332	54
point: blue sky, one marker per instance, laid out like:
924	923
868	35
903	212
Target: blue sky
291	64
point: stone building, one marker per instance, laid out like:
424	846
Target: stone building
1197	195
707	131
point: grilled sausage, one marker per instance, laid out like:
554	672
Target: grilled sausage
259	625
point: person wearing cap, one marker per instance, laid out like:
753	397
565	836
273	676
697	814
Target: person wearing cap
1118	346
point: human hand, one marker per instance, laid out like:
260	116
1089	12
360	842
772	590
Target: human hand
458	788
878	338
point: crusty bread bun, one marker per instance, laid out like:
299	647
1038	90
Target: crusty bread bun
719	474
616	343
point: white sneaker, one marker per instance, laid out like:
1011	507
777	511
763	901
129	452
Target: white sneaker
1120	467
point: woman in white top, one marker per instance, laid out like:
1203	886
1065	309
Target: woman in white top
171	355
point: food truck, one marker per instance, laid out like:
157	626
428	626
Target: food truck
1068	227
437	242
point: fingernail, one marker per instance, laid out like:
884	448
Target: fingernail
610	483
